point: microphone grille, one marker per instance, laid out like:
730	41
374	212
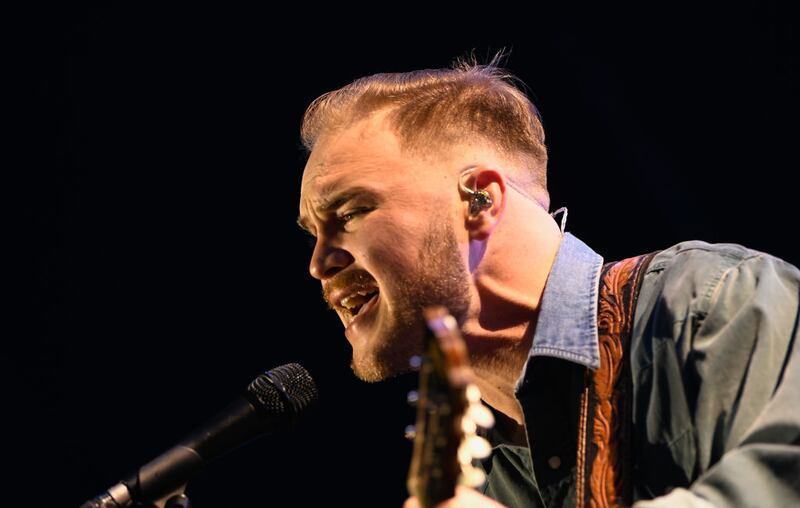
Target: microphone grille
288	388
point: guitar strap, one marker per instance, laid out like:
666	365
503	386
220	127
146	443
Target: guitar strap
603	472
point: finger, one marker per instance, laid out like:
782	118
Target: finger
411	502
469	498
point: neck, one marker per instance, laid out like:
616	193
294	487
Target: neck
509	283
497	367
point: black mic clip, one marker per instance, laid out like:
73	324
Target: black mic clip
121	497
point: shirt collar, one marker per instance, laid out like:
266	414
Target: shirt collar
567	324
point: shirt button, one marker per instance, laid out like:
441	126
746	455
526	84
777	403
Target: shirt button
554	462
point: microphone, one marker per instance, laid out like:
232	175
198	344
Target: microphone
271	402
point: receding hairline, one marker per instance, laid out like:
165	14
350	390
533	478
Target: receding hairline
433	110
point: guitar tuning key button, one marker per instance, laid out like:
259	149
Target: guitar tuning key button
412	397
464	455
468	425
481	415
479	448
472	476
415	362
410	432
473	393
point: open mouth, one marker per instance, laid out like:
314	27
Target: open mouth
356	302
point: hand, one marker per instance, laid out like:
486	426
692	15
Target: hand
464	498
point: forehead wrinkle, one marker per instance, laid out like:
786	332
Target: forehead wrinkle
318	170
369	150
350	173
334	161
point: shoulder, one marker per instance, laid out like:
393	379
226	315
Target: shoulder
712	337
698	287
687	279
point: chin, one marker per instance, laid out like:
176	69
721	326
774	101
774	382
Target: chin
368	373
386	356
372	368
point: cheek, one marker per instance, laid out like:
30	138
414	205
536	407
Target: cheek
390	245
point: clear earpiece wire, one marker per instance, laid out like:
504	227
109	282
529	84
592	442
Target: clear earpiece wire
464	188
471	192
563	217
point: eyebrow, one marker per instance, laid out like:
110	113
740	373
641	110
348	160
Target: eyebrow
334	202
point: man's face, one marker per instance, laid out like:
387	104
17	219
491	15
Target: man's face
385	242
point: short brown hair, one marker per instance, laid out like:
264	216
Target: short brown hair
436	108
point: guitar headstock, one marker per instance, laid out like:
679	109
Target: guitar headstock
449	414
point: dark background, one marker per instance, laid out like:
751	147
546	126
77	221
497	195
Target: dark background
162	269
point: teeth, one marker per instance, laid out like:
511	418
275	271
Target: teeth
357	299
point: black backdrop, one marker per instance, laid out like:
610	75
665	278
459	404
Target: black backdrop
161	170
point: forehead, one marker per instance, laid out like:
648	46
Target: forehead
365	151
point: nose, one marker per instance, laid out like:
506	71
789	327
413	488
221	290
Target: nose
328	260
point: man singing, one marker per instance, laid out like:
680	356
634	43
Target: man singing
668	379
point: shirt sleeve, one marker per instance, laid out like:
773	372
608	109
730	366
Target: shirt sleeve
741	362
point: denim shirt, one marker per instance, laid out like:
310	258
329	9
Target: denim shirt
567	324
715	363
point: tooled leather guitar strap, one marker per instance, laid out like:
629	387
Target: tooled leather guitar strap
603	477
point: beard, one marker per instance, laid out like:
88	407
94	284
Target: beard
440	278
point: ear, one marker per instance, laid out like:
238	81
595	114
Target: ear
480	221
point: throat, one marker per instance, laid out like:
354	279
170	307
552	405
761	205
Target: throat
501	398
498	362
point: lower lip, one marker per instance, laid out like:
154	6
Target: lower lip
362	313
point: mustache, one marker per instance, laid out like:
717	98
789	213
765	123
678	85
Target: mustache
356	279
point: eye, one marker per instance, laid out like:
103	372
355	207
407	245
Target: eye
348	216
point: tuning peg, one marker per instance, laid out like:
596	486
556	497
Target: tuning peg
479	448
473	393
412	398
464	455
468	425
410	432
415	362
481	415
472	476
473	447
